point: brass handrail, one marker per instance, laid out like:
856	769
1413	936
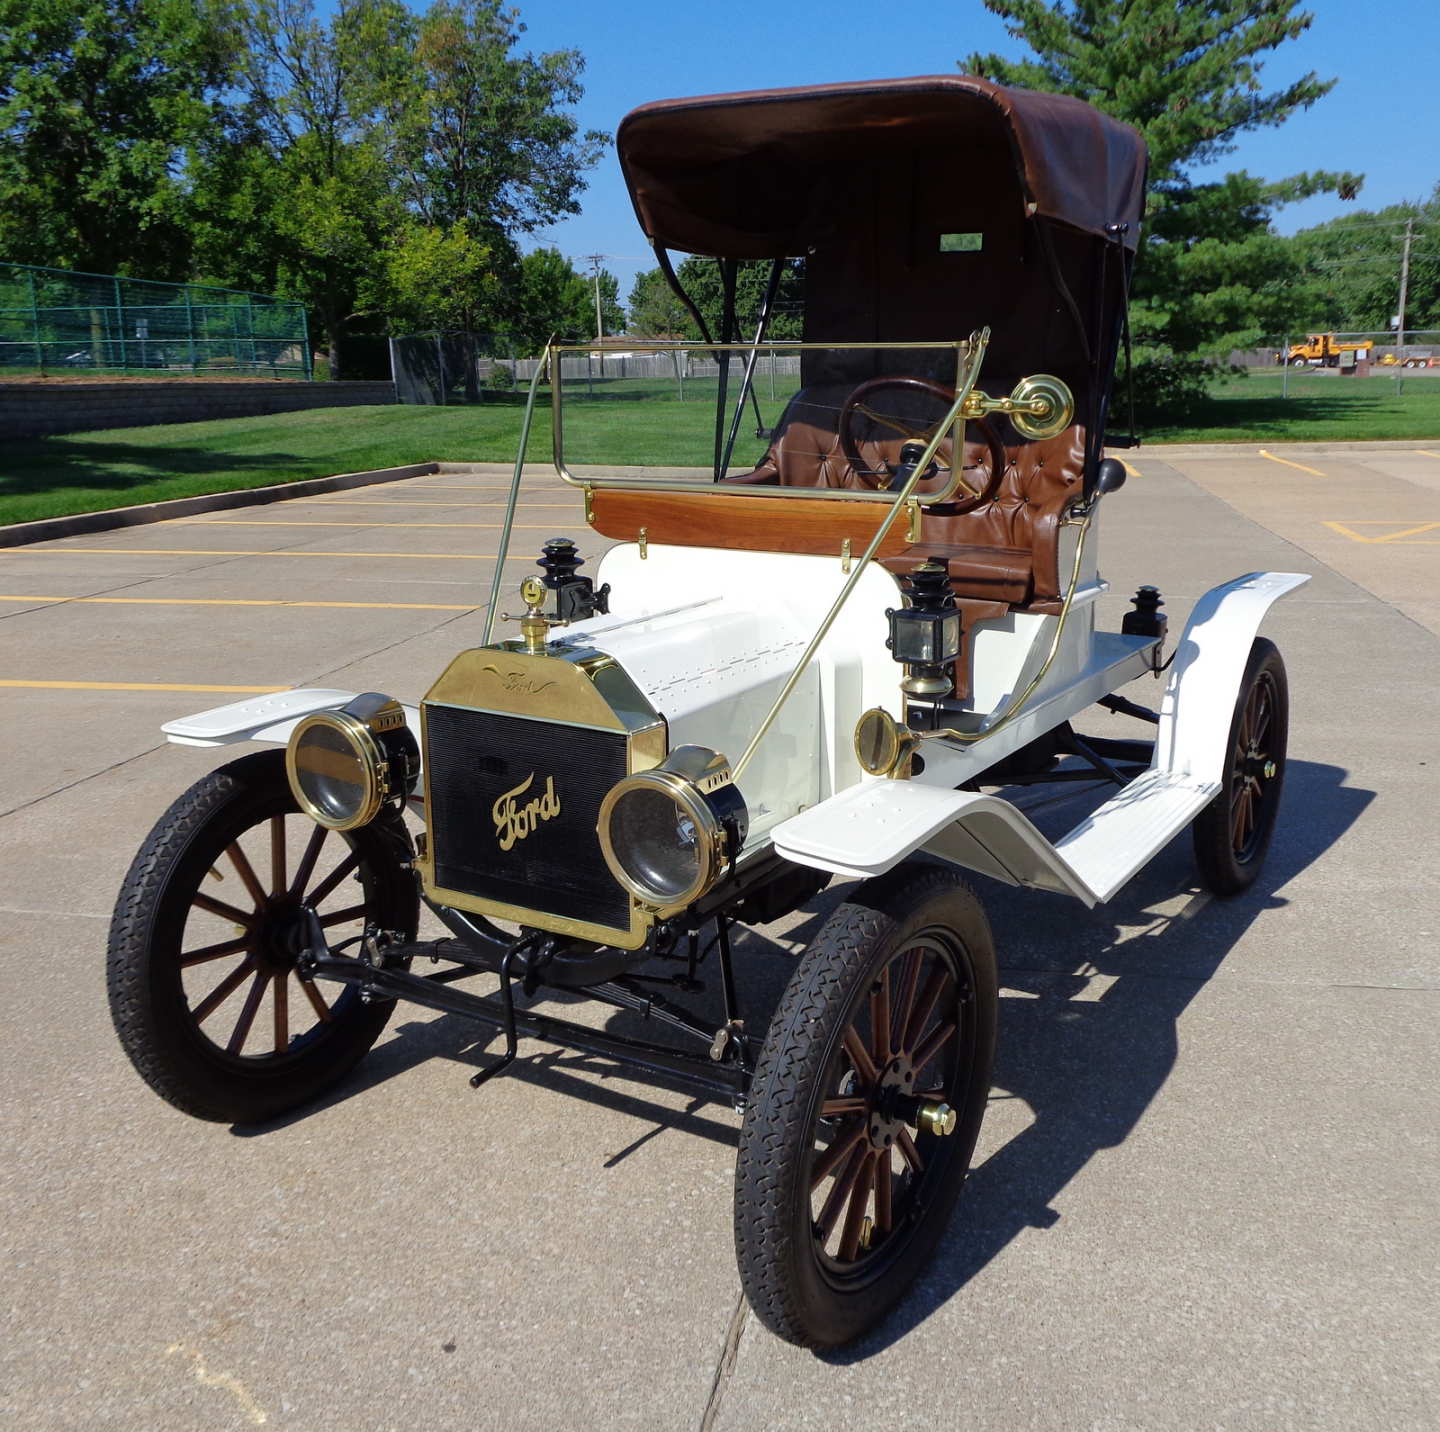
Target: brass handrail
510	506
965	380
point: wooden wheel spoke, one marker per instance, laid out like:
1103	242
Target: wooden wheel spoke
317	1001
241	862
842	1106
880	1018
840	1193
933	1044
840	1149
222	991
924	1006
884	1188
232	913
909	983
282	1013
337	917
860	1057
906	1144
241	1031
1260	727
306	868
854	1227
213	952
277	854
328	884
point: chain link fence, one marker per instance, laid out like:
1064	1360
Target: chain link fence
453	368
53	321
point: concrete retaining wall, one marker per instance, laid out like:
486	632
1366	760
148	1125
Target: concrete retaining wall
33	410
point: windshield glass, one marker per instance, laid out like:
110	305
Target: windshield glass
828	418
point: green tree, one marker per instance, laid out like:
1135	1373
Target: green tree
476	131
553	299
1354	264
99	102
1212	273
655	312
376	147
700	278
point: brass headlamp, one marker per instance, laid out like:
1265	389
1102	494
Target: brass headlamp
670	833
344	765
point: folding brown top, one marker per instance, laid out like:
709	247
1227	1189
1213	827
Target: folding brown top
761	174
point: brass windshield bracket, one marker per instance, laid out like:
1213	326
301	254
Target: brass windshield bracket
644	541
845	555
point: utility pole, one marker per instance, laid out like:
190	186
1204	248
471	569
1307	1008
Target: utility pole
594	260
1400	312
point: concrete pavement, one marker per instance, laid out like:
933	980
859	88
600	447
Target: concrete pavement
1206	1193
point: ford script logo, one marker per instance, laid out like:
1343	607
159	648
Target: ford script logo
514	820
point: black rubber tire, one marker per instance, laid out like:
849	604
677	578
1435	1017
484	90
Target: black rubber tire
147	999
780	1269
1224	869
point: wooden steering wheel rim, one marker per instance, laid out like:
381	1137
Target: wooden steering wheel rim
875	480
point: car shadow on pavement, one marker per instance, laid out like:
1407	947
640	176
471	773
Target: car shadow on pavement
1088	1028
1089	1013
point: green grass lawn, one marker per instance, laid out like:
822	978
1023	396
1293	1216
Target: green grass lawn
631	424
1319	408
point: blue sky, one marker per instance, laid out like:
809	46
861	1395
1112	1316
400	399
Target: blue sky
1382	119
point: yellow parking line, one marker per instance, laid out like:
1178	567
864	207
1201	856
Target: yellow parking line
1423	453
1404	536
1407	532
1130	471
248	602
137	686
240	552
249	522
1312	471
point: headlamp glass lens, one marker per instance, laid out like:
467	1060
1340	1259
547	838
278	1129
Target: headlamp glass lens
332	774
655	840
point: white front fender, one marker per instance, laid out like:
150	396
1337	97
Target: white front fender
262	718
871	827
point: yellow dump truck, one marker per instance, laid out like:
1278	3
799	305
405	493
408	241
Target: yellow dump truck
1324	349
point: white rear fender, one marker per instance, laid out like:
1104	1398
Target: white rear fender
1205	675
870	828
262	718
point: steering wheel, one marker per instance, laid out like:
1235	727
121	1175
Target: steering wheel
968	496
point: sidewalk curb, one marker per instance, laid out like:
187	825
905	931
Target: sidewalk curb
48	529
1250	446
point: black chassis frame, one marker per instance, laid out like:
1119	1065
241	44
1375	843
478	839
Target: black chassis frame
725	1069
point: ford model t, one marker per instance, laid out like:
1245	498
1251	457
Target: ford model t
825	647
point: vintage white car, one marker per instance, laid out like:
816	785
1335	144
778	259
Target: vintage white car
830	657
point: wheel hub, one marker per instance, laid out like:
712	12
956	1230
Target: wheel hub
893	1091
280	935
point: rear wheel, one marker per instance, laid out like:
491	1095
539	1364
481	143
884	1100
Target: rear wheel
204	990
865	1106
1232	834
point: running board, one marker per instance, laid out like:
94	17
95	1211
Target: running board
990	836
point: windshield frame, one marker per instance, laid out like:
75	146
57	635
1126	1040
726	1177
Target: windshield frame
964	349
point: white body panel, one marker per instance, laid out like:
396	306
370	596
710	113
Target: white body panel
871	828
713	666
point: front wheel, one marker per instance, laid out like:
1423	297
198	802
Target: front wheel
865	1106
1232	834
204	988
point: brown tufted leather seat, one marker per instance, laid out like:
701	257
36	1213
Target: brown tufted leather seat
1006	551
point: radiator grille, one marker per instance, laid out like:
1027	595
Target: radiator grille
473	759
